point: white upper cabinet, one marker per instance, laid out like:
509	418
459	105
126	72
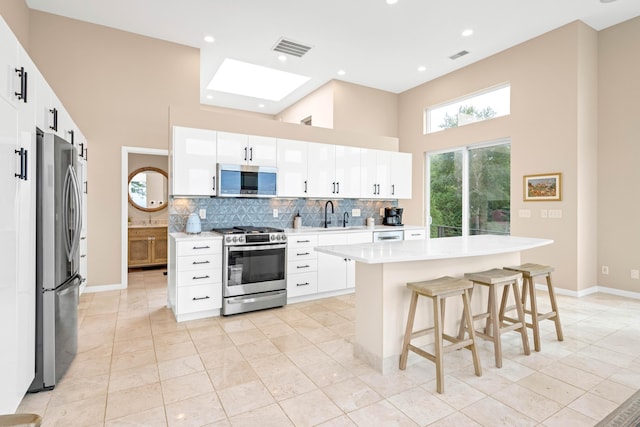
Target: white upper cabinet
292	168
401	166
193	167
347	172
240	149
9	62
321	170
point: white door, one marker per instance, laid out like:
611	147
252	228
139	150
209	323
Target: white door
262	151
292	168
322	170
8	63
332	270
401	175
368	173
193	166
383	173
347	171
233	148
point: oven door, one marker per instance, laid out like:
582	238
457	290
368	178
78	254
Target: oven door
254	269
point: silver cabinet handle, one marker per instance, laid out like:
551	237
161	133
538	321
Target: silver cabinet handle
200	298
302	284
303	266
200	277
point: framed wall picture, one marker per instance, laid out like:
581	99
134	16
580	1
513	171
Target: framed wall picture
543	187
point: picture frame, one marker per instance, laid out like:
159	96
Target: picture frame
543	187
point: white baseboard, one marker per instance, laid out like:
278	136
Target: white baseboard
592	290
104	288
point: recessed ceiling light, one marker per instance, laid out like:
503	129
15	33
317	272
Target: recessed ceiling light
392	1
467	32
282	58
209	96
242	78
260	105
422	68
209	39
607	1
341	72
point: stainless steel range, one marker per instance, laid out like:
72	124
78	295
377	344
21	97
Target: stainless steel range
254	268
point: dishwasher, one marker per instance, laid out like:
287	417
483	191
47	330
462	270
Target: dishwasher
385	236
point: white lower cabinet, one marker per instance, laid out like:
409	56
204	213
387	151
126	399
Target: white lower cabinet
418	234
335	273
195	277
302	266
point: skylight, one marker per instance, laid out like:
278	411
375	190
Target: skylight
242	78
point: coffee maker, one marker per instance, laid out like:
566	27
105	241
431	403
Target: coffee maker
392	216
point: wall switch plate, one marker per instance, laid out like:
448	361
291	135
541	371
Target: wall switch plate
524	213
355	212
203	213
543	213
605	269
555	213
275	213
635	274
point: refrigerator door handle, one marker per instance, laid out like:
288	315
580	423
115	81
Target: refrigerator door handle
71	215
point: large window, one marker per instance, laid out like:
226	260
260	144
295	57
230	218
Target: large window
490	103
469	190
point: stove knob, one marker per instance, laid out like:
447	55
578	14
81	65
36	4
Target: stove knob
278	237
228	239
235	239
284	237
241	239
272	237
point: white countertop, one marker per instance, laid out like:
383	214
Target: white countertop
432	249
203	235
317	230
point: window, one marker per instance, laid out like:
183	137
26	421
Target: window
490	103
469	190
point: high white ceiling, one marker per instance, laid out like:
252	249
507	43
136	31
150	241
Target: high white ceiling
376	44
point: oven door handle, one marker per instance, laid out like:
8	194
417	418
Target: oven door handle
256	248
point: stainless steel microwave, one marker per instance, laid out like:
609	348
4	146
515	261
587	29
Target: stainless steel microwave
246	181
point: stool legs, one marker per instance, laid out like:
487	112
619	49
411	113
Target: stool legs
437	322
407	334
472	333
528	286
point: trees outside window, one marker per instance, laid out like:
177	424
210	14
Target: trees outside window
472	183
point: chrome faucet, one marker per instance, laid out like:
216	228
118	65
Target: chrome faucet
327	222
345	218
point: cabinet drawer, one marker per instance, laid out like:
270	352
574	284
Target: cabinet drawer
199	298
199	277
152	232
302	266
299	241
199	247
414	234
302	284
301	252
199	262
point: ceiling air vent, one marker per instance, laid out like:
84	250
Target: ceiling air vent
459	54
291	48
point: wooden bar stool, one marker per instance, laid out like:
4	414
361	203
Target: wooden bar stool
495	324
438	290
529	273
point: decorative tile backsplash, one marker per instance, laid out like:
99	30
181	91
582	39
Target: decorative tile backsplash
229	212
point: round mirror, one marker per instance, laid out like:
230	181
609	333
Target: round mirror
148	189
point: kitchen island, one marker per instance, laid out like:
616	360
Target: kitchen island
383	269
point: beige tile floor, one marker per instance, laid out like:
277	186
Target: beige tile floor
294	366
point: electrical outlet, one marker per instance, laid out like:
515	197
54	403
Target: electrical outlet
275	213
555	213
524	213
543	213
355	212
605	269
635	274
381	211
203	213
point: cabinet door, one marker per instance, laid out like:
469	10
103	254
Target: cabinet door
368	174
401	175
292	168
321	170
347	172
193	165
8	63
383	173
233	148
139	250
42	96
332	270
159	250
262	151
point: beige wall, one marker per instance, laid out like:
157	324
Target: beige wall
544	130
618	154
318	105
117	87
363	109
16	14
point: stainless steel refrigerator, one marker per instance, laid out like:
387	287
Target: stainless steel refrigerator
58	225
